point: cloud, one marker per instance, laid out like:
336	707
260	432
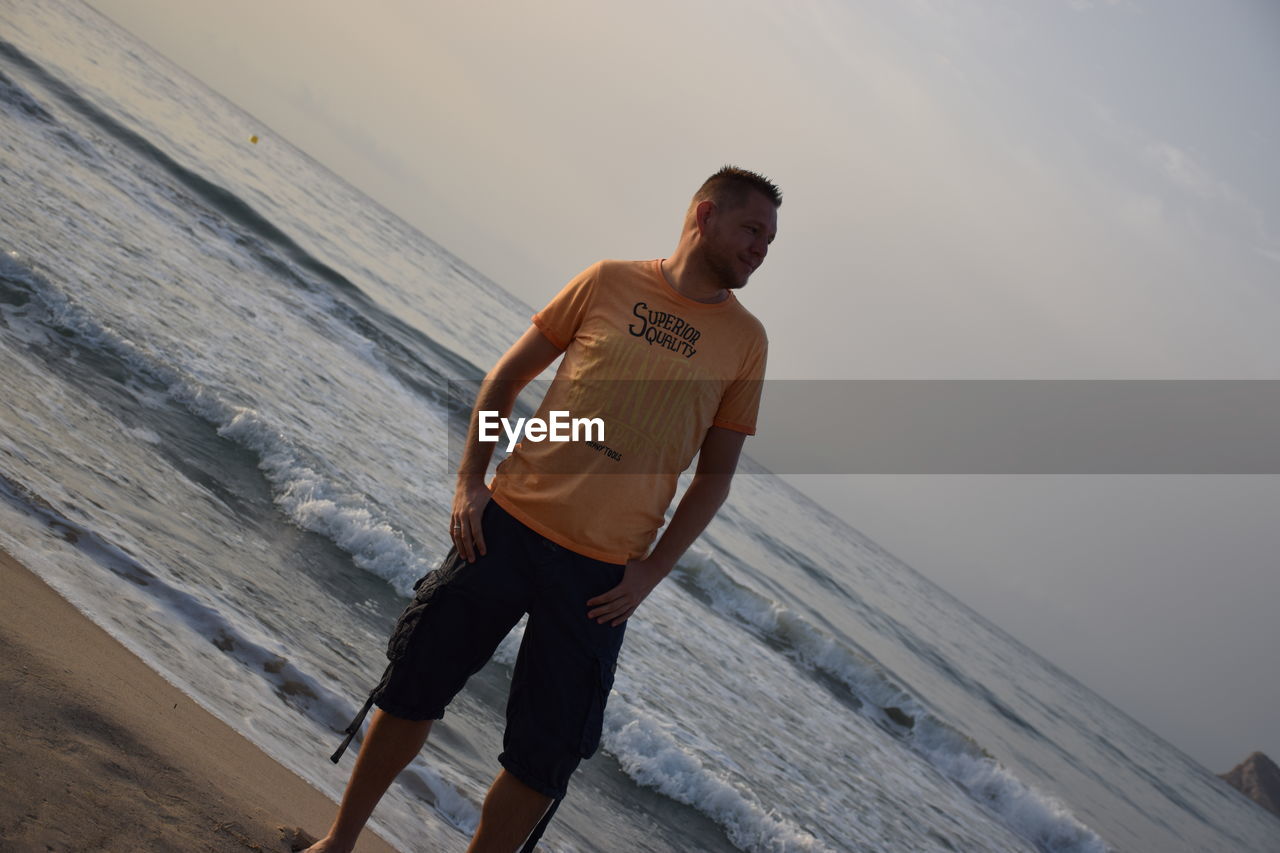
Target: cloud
1184	171
1212	200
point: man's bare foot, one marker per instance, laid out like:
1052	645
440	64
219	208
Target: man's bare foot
324	845
299	839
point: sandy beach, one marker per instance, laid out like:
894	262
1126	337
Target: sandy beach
98	752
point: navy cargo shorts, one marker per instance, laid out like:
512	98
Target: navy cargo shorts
461	611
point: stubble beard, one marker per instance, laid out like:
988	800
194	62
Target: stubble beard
724	271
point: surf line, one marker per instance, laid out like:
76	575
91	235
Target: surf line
559	426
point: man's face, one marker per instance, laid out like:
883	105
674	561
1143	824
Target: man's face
736	239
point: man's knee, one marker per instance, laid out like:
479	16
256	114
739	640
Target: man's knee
387	727
511	811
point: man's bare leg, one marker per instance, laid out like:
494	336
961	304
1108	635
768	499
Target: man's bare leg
511	810
388	747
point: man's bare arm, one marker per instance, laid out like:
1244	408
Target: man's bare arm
717	460
527	357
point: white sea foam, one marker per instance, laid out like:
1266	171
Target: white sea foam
652	757
315	503
804	643
309	499
1028	812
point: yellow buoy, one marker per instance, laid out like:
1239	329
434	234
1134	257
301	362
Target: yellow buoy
253	139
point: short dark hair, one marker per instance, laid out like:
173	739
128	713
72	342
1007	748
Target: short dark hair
730	187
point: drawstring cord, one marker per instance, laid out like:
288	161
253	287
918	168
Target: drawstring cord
352	729
532	841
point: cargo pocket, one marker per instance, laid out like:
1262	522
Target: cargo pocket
398	645
423	591
602	684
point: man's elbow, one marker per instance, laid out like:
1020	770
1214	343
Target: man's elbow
714	485
499	392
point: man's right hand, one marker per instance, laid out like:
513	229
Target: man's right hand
469	500
527	357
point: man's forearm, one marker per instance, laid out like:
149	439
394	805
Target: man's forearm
697	507
495	395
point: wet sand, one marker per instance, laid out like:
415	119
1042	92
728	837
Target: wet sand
98	752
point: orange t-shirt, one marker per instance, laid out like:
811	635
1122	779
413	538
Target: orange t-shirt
659	369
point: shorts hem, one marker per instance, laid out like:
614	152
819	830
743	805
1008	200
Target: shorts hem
516	769
403	712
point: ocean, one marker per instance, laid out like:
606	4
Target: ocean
224	437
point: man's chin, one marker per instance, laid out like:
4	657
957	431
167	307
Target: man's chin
731	279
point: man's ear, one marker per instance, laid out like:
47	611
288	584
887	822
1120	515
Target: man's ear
702	213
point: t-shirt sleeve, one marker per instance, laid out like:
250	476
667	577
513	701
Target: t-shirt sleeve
741	401
560	320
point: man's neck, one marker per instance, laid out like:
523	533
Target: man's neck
684	274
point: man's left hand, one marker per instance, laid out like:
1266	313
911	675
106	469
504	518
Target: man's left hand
638	580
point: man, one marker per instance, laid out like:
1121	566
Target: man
671	363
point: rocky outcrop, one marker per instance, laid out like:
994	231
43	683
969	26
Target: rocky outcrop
1258	778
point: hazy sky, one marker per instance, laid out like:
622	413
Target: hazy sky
994	190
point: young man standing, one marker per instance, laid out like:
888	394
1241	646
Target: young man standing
664	355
